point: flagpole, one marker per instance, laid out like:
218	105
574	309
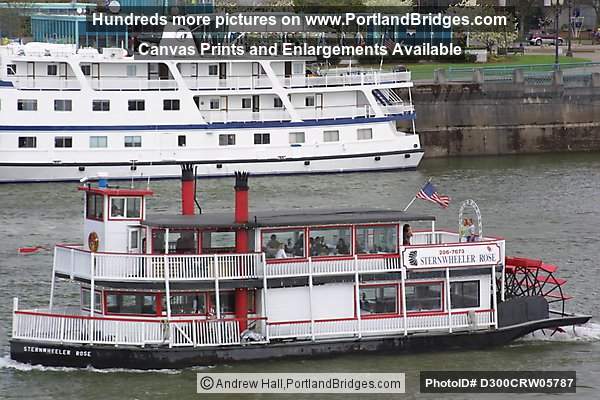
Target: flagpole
415	197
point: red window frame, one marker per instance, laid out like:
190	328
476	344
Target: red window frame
304	230
379	255
158	302
338	256
443	294
381	315
86	206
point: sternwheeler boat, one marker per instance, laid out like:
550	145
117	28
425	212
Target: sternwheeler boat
68	113
194	289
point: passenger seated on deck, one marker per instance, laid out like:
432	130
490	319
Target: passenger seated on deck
115	210
406	235
342	247
273	246
281	252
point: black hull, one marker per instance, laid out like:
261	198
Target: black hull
74	355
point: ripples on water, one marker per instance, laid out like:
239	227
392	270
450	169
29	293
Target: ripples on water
546	207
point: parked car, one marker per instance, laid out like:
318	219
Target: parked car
538	38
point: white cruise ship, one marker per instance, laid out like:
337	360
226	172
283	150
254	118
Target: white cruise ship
68	113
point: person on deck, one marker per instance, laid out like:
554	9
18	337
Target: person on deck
342	247
406	235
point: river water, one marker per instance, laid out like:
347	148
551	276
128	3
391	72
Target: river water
545	206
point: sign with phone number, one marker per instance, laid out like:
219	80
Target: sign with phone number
416	257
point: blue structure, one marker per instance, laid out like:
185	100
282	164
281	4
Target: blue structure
61	22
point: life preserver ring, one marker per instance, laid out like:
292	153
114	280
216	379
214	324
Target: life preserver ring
93	241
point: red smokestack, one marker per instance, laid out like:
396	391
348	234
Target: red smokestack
187	189
241	243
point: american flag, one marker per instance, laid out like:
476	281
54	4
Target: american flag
429	193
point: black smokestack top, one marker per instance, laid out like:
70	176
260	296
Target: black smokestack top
241	180
187	172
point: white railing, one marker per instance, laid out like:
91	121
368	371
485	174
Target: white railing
335	112
212	116
445	237
483	319
131	83
63	328
398	109
345	265
327	80
230	83
73	261
45	83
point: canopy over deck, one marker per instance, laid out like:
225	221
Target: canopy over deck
276	218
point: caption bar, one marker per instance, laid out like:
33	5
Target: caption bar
300	383
498	382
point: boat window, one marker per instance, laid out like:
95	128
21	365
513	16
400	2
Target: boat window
283	243
100	105
187	303
181	140
183	242
171	104
117	207
27	142
309	101
330	241
217	242
131	70
364	134
11	69
86	69
94	206
226	300
331	136
214	104
125	207
63	142
98	142
277	102
213	70
298	68
85	300
133	141
131	303
136	105
380	239
63	105
27	105
158	241
297	137
52	69
378	300
424	297
247	102
227	140
262	138
464	294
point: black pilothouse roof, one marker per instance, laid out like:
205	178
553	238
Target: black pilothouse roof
276	218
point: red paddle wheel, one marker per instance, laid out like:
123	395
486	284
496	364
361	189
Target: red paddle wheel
529	277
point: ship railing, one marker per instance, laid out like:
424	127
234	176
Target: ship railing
395	109
229	83
76	262
335	112
279	268
244	115
128	83
52	326
383	325
329	80
422	237
45	83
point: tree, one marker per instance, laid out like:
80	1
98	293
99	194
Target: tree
596	6
488	36
524	9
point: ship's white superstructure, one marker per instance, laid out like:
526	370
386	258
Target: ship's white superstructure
67	113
